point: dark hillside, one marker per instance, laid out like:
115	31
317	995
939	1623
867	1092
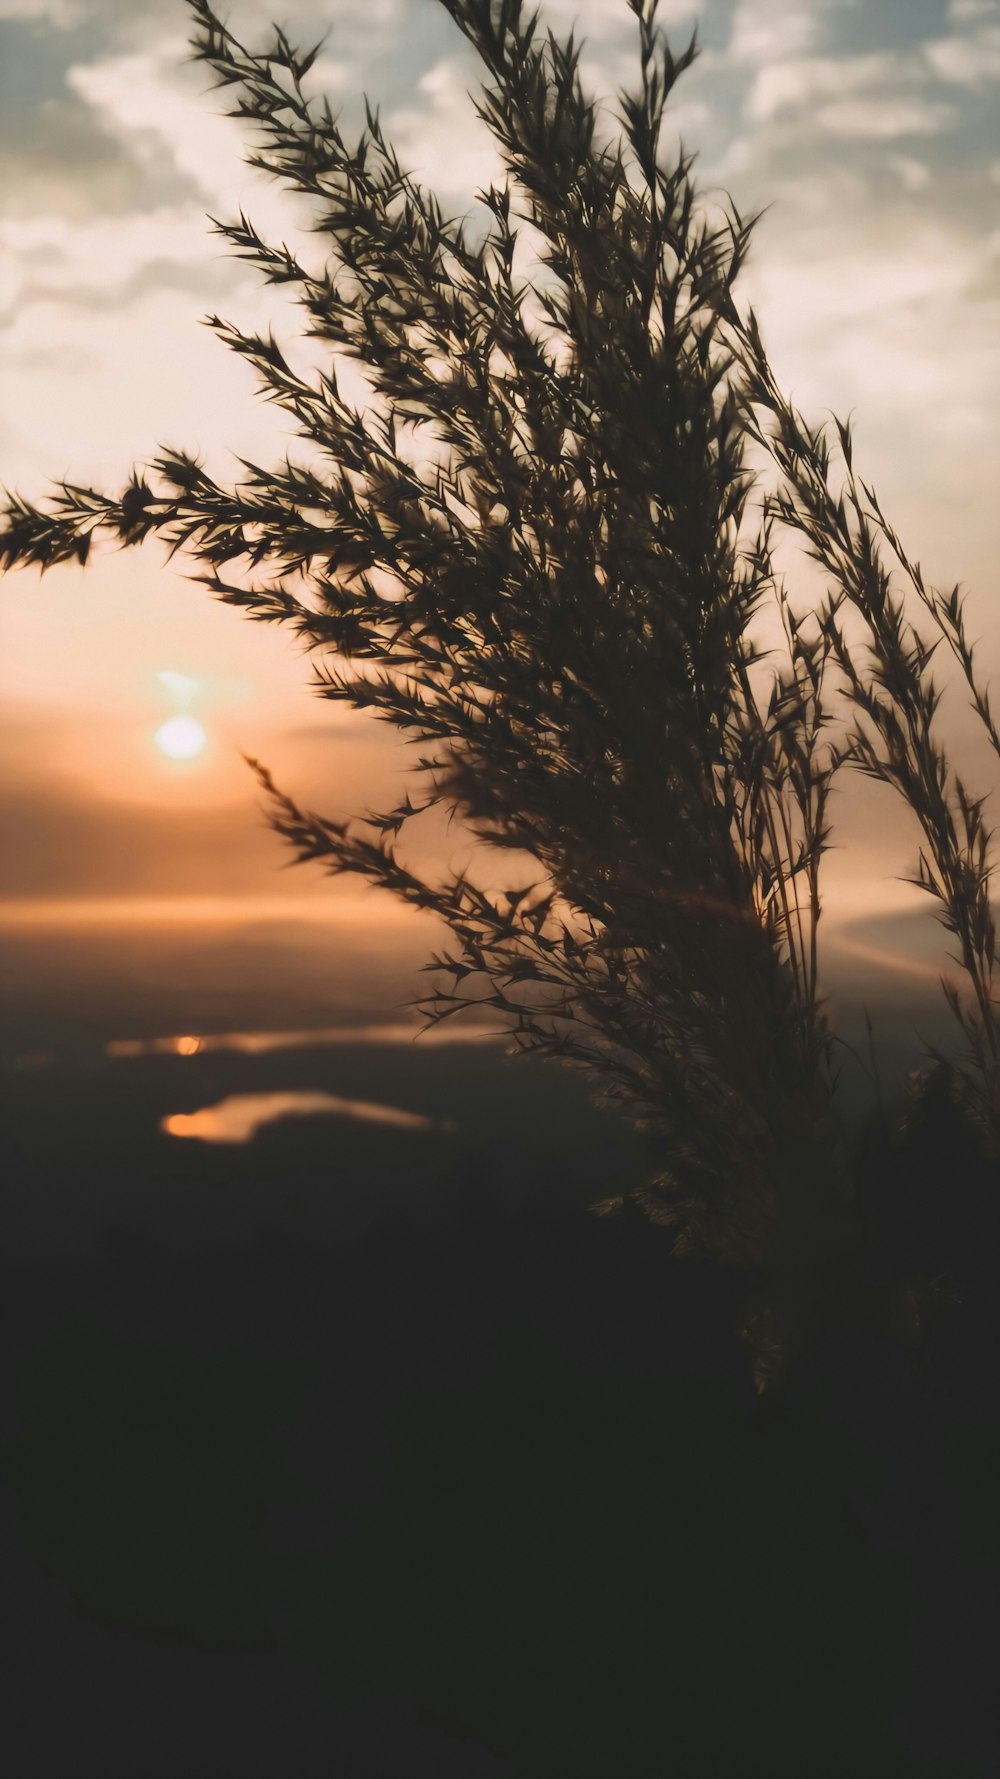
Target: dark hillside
369	1451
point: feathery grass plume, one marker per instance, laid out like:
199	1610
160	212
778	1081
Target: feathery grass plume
540	553
895	699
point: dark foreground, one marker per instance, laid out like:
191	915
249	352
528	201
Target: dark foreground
365	1452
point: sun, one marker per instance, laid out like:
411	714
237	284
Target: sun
180	738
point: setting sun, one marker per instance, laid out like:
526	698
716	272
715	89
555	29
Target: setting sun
180	738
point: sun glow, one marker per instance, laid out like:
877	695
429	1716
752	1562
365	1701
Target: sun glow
180	738
239	1117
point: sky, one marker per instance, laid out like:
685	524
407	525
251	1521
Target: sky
868	131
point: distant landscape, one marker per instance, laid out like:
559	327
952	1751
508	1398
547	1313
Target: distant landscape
295	1425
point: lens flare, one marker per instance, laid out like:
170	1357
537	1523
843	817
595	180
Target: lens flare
181	686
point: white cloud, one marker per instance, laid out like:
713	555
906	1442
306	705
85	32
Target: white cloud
969	60
130	21
876	96
246	17
125	381
852	279
765	31
102	252
972	9
834	189
913	175
883	119
58	12
597	19
796	84
733	163
895	323
139	100
155	105
443	143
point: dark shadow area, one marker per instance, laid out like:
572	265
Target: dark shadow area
367	1451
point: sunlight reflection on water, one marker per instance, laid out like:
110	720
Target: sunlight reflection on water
261	1043
239	1117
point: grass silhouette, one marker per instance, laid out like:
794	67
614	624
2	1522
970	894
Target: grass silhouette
542	552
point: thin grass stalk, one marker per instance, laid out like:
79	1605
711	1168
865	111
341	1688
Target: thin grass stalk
898	741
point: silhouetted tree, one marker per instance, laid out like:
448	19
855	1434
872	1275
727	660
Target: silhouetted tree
540	551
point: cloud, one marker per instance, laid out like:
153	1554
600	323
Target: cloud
765	31
797	83
72	167
64	13
125	21
596	20
913	175
869	300
882	274
880	118
174	158
443	142
108	263
970	60
58	841
102	110
791	85
95	295
155	106
873	96
898	321
135	20
57	154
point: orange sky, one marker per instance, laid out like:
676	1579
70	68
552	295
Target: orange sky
876	275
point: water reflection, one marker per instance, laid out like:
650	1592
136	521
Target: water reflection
261	1043
238	1118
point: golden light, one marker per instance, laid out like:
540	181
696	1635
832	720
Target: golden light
183	1124
180	738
